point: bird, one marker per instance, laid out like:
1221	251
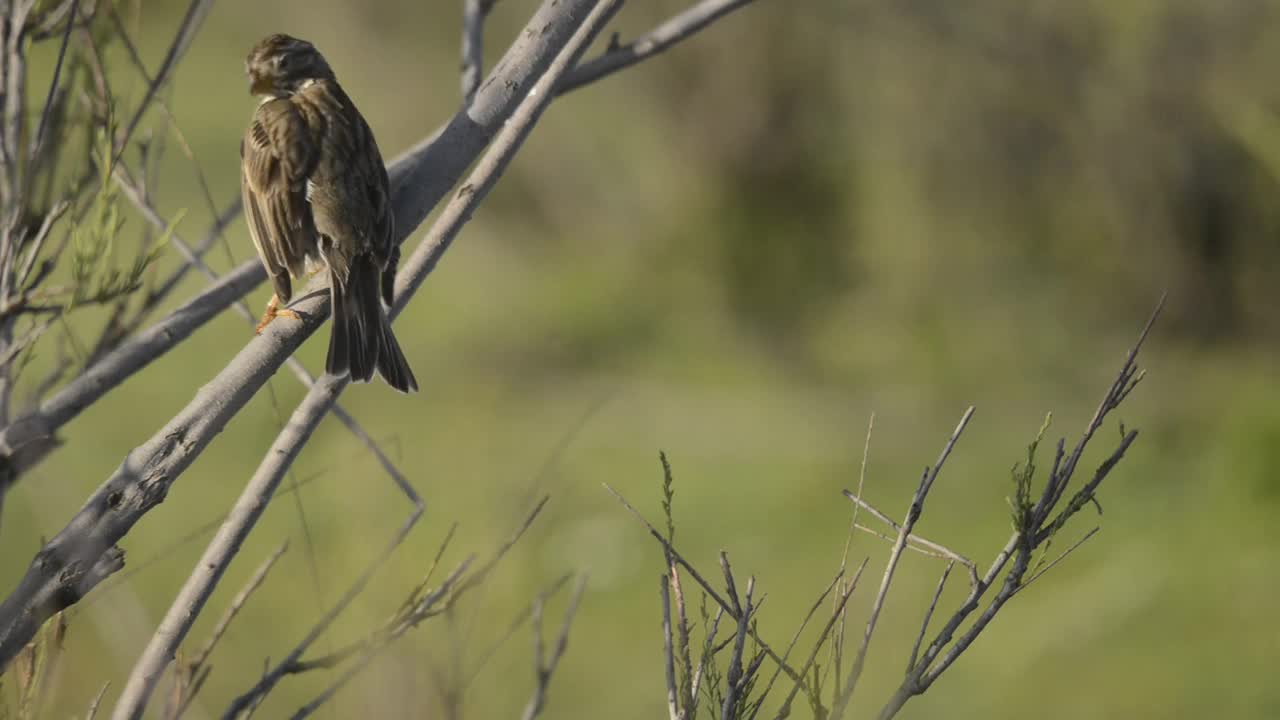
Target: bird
316	196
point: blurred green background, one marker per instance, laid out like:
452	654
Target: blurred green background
736	253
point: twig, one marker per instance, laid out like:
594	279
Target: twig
706	587
913	514
928	547
795	637
53	84
474	13
191	21
862	478
668	653
516	623
669	33
195	670
924	625
236	604
1057	560
97	700
426	604
709	651
165	287
545	666
836	614
736	679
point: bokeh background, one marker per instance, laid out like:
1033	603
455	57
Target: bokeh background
736	253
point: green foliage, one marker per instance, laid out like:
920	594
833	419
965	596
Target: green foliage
668	492
31	671
98	276
1023	473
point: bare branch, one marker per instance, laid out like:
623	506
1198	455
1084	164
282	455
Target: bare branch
236	604
97	700
924	625
1060	558
424	606
795	637
474	13
191	21
915	542
836	614
736	680
913	514
194	671
664	36
53	84
668	653
706	587
516	623
545	666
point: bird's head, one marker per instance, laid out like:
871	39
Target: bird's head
279	65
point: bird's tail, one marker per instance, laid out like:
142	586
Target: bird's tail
361	340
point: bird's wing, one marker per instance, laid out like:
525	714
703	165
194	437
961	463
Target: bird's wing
377	191
278	154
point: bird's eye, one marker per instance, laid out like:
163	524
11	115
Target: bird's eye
282	62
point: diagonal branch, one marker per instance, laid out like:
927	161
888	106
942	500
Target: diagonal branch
678	28
706	586
913	514
474	13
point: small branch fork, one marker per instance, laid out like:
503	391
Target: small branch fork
545	664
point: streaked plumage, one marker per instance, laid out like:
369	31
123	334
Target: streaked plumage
315	190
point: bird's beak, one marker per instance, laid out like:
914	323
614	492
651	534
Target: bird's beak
258	85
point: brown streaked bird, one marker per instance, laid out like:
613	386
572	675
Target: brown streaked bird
316	192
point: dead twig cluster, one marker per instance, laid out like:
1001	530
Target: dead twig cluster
1036	520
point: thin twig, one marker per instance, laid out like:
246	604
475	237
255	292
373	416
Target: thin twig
836	614
187	29
1057	560
515	625
237	603
545	666
53	84
862	478
668	652
706	587
661	38
913	514
795	637
474	13
924	625
736	679
97	700
921	545
425	604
